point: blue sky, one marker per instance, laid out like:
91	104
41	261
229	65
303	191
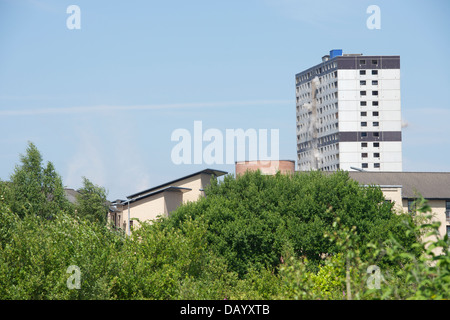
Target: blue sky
103	101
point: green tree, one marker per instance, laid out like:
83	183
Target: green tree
35	254
35	189
423	277
348	276
92	203
157	263
252	219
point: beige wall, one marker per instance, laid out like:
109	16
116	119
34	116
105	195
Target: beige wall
437	207
167	201
394	194
206	181
118	219
269	167
438	212
146	209
172	201
196	183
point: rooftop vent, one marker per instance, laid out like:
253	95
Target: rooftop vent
335	53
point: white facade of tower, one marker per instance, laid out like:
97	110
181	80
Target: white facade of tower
349	114
382	116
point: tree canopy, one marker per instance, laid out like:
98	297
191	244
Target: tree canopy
34	188
254	219
91	202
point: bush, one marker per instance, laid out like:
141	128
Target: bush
35	255
349	276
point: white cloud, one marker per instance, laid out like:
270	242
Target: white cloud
109	108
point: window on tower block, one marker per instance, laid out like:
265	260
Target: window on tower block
365	165
362	72
374	72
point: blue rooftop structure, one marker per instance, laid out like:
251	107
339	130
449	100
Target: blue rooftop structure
335	52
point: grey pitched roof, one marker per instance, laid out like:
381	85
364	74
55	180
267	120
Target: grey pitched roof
431	185
166	189
71	194
217	173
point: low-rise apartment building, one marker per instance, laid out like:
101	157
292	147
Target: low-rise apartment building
403	188
160	200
